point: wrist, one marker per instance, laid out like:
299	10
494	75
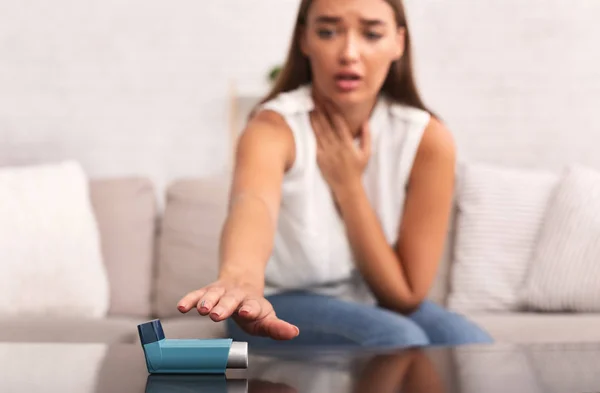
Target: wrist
242	277
349	192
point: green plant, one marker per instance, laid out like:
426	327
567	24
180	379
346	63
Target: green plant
274	73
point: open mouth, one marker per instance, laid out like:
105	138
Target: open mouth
347	81
347	76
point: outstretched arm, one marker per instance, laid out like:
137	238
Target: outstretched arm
265	152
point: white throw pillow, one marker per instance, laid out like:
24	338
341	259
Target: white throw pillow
565	270
499	212
50	255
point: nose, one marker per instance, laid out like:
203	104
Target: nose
350	52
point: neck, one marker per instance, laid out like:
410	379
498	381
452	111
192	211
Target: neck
354	114
357	115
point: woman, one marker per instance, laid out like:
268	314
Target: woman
341	196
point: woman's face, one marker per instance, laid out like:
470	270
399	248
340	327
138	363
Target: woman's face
351	45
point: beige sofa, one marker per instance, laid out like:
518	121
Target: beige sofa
154	256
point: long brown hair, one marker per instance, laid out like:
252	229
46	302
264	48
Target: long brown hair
399	84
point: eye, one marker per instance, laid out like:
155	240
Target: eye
372	36
325	33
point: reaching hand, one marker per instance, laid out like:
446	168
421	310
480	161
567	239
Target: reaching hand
341	161
244	303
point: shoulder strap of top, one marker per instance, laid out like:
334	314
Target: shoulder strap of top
291	102
293	106
416	116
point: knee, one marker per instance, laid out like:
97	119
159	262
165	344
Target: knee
458	329
445	327
396	332
460	332
463	331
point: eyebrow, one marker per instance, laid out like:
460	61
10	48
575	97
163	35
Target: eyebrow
336	19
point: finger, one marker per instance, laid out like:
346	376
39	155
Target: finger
277	329
250	309
317	98
227	305
326	111
322	104
316	126
339	126
365	139
326	133
190	300
210	299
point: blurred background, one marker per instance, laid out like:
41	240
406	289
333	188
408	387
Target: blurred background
146	87
158	91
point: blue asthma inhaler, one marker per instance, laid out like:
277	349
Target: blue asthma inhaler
189	356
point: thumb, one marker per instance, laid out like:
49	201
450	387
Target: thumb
276	328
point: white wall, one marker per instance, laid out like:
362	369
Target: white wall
518	81
135	87
140	87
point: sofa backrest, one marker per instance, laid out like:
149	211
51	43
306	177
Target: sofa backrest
126	213
188	240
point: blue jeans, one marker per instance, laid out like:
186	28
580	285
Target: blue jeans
328	321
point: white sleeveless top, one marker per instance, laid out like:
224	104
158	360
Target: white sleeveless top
311	249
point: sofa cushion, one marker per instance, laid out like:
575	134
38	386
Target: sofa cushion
500	211
565	273
108	330
126	213
527	328
188	243
50	255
